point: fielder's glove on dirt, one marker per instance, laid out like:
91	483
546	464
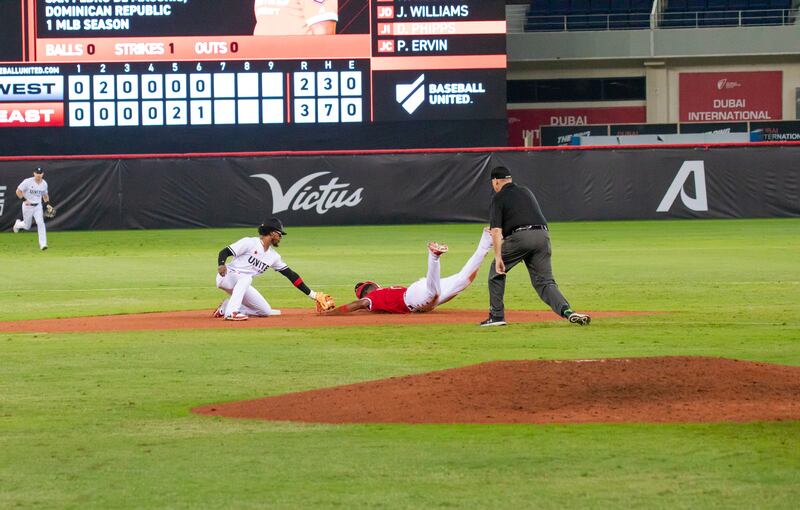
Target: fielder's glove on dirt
324	302
49	211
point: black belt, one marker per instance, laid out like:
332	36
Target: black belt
33	205
528	227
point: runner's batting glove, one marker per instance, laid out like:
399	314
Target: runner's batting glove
324	302
50	211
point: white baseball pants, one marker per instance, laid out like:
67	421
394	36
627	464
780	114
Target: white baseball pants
244	298
34	212
431	291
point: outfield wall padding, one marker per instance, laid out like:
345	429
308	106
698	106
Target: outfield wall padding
386	188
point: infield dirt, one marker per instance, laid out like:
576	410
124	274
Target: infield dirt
290	318
651	390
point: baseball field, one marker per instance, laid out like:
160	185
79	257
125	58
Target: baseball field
94	418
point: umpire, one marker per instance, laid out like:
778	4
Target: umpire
519	233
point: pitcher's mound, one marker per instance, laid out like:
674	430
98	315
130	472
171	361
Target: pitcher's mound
672	389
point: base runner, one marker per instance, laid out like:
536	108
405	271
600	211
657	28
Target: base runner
426	293
251	257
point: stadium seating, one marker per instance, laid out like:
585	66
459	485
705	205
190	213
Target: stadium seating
559	15
724	13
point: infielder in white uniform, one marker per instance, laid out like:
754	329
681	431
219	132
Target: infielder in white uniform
251	257
33	192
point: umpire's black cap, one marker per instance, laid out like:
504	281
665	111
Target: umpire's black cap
38	170
501	172
271	225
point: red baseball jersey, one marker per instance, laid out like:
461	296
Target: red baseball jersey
388	299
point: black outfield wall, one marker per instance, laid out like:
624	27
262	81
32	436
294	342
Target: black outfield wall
641	183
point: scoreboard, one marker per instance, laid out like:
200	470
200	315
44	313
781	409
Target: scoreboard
201	76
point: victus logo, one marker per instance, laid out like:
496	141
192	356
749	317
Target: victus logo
303	196
2	199
724	84
697	203
411	96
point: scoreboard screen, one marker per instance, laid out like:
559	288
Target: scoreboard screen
200	76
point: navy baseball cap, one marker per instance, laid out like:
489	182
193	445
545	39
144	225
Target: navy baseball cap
38	170
501	172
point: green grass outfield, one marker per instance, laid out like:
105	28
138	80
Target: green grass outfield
102	420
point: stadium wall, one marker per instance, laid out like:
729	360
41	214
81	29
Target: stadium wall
663	90
738	181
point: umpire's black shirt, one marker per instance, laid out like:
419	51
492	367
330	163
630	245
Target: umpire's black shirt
514	206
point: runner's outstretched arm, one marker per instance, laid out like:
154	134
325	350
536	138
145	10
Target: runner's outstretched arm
361	304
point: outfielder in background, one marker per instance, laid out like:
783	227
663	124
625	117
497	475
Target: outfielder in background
251	257
296	17
33	192
425	294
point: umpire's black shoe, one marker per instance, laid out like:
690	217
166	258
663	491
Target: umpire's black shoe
493	321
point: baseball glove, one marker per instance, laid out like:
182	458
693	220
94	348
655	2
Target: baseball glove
50	211
324	302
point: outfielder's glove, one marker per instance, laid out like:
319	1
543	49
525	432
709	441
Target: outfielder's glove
49	211
324	302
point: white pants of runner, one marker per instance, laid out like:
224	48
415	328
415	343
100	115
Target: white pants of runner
431	291
34	212
244	298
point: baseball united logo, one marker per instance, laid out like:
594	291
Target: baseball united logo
411	96
302	196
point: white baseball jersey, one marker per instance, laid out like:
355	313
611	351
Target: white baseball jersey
250	258
33	191
292	17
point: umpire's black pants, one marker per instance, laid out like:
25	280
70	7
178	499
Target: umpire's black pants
532	247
